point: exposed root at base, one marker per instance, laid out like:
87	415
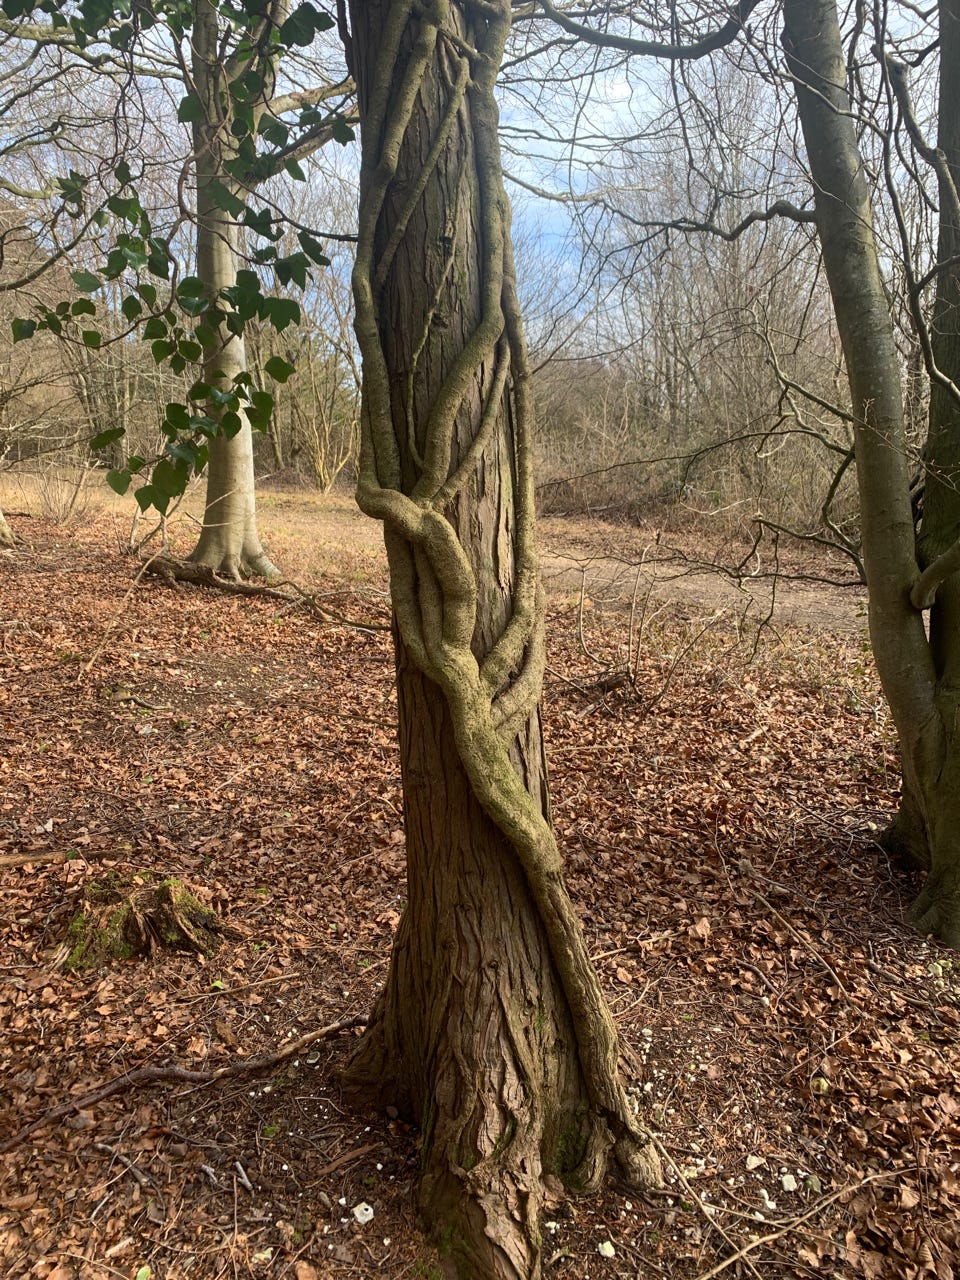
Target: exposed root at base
173	572
936	915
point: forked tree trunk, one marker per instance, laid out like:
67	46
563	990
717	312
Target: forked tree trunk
229	542
491	1033
921	680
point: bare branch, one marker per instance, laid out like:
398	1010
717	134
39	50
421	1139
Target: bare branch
924	590
655	48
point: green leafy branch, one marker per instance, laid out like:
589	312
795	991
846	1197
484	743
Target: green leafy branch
184	322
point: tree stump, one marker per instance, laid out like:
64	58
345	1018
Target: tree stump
130	916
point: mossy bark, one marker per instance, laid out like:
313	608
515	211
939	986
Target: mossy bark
920	678
492	1033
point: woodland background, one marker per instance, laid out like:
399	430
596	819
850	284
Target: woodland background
722	759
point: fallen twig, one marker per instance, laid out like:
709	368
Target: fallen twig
638	947
346	1158
786	1227
142	1179
114	619
708	1212
804	942
177	1075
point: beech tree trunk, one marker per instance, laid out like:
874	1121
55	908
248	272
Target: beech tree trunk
933	814
491	1033
920	679
229	543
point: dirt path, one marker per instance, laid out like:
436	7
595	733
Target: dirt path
326	535
618	579
611	563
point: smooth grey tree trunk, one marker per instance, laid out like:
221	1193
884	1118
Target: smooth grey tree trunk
919	679
6	533
229	542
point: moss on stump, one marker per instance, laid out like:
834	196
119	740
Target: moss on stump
128	916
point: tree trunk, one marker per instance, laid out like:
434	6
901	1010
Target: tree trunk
229	543
938	907
919	682
491	1033
6	533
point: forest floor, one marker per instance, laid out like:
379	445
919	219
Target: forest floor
794	1047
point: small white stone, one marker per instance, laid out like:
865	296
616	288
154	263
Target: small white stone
606	1249
754	1162
363	1213
788	1182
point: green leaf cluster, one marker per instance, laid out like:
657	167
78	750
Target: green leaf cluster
182	323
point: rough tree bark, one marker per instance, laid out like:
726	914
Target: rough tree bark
492	1033
920	679
228	543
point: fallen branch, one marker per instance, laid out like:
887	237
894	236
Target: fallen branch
177	1075
43	856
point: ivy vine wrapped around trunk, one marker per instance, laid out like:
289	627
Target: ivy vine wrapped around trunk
492	1032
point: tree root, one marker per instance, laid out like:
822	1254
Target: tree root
173	571
937	911
177	1075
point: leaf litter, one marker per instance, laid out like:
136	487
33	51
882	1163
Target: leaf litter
792	1045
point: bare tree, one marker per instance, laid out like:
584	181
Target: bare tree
864	142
